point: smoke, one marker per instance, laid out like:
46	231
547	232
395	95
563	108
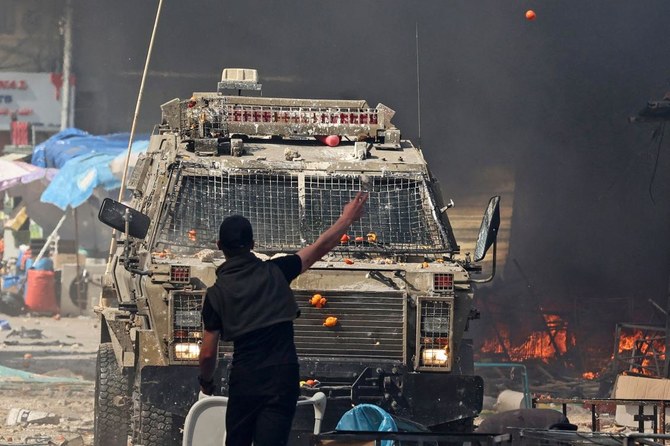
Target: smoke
547	99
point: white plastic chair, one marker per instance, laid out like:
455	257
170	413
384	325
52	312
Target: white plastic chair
206	420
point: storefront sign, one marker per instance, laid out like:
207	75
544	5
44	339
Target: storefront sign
31	97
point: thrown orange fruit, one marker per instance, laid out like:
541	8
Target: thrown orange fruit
310	382
330	321
318	301
359	239
530	15
344	238
348	261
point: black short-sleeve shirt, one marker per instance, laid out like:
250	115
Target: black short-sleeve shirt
267	346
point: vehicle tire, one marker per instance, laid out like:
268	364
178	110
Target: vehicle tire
156	427
112	419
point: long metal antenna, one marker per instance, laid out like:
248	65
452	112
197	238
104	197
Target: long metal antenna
122	190
418	84
139	101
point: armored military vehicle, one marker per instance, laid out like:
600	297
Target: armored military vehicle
401	298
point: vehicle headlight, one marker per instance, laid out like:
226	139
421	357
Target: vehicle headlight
436	357
187	351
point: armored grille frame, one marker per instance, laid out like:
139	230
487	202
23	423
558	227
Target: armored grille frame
371	326
435	318
289	211
186	326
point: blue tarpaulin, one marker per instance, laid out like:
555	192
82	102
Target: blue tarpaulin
368	417
84	163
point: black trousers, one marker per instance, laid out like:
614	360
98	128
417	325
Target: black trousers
264	418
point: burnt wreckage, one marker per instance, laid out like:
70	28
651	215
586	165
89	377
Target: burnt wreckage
401	298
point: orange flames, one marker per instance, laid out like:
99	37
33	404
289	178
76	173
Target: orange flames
647	350
538	345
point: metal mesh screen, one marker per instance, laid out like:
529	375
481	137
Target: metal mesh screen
194	213
395	214
434	334
286	216
187	325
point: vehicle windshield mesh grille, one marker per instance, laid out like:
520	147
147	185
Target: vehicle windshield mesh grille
288	212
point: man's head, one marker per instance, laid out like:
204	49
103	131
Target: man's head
235	236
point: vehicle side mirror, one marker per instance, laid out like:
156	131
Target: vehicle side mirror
488	231
113	214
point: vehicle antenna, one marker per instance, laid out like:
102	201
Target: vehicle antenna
122	189
139	100
418	84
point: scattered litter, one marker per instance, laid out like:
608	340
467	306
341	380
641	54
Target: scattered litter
8	374
40	440
27	333
63	441
44	343
4	325
18	416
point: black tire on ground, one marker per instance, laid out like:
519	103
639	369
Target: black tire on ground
156	427
112	389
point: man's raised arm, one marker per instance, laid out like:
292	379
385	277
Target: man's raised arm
331	237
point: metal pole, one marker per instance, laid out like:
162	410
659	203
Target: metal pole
67	60
122	190
76	251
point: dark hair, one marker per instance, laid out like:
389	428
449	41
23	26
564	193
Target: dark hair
235	233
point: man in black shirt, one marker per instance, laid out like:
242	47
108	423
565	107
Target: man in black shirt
251	304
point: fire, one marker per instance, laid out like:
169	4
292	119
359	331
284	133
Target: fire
647	350
542	345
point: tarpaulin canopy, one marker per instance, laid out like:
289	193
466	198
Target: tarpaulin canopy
85	163
18	172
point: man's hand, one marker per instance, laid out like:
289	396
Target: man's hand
206	387
354	209
331	237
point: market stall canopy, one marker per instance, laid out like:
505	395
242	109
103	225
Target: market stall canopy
13	173
84	162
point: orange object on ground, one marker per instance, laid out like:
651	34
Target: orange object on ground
348	261
530	15
330	321
41	291
344	238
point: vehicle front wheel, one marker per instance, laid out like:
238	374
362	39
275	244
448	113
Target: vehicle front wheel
155	427
112	389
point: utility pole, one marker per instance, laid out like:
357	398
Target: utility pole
65	117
